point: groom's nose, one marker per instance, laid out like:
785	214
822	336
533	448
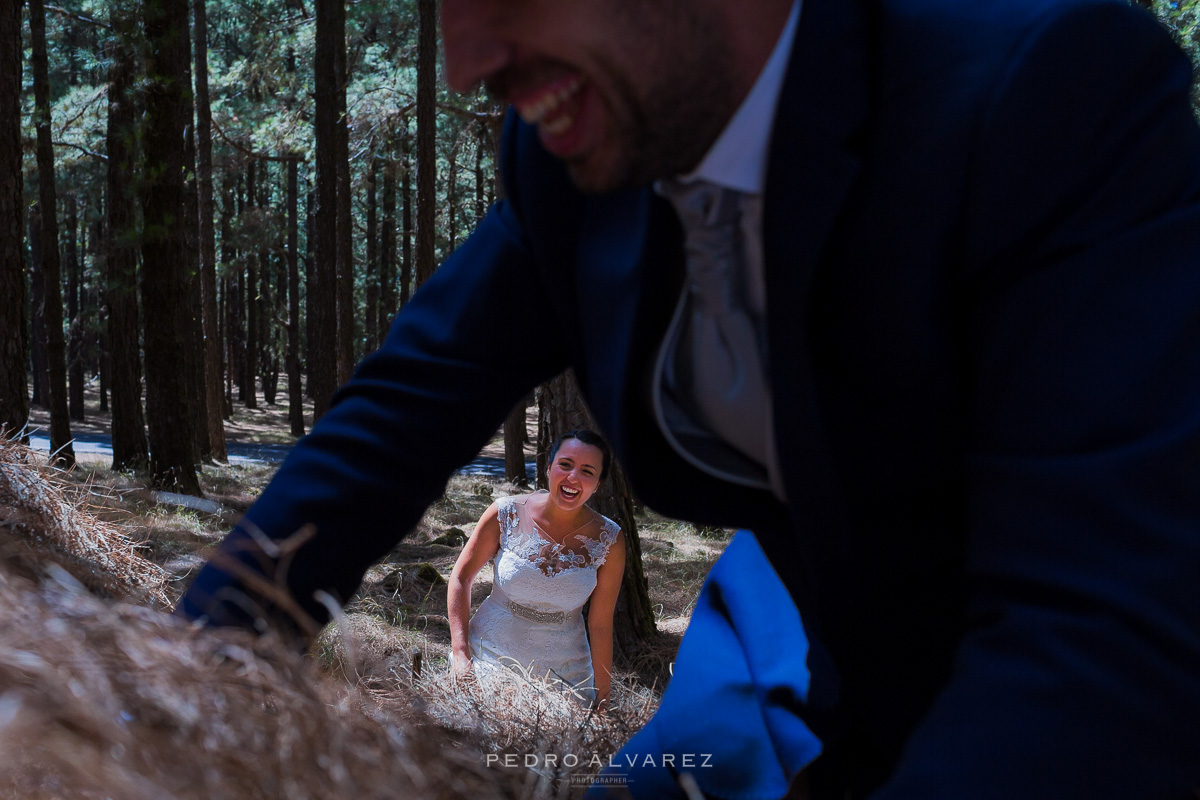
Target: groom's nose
472	38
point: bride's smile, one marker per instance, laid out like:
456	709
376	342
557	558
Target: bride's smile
573	477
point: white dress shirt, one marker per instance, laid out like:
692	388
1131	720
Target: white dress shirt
738	160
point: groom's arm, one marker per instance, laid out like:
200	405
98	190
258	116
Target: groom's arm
458	357
1079	675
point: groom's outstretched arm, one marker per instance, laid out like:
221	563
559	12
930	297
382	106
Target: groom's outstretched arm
457	359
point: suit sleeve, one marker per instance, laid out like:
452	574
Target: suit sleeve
1079	674
456	360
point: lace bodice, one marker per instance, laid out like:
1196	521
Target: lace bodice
522	536
534	571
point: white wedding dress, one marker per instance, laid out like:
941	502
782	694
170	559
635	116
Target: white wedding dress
532	622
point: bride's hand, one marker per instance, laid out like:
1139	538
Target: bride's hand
460	668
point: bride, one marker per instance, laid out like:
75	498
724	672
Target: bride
550	553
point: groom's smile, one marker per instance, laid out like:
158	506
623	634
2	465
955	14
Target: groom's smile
623	92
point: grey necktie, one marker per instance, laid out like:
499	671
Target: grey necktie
718	362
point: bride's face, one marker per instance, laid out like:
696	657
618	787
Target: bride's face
574	474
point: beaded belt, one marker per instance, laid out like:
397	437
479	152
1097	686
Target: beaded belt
518	610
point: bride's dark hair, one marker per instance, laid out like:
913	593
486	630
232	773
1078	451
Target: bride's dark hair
587	436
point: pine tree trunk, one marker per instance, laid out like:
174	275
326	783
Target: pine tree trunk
14	391
269	371
264	305
104	367
514	445
322	290
295	391
387	252
426	133
406	236
208	249
239	296
309	283
279	325
346	315
172	460
252	303
229	282
372	310
75	376
226	346
193	313
561	408
128	422
56	349
37	285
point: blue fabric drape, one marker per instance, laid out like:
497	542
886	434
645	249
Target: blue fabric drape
730	715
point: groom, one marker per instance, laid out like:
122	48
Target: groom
907	287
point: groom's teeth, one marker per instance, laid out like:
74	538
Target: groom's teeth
533	113
560	125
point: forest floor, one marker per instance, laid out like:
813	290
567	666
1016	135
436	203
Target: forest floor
264	424
396	628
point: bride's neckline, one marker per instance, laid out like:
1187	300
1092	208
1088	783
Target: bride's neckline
589	517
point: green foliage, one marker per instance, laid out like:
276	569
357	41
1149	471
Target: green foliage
1182	19
261	85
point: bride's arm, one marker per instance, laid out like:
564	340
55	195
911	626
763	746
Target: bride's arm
600	618
479	549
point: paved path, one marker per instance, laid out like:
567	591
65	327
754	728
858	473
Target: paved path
250	453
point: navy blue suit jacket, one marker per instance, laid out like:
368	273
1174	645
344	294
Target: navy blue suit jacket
982	237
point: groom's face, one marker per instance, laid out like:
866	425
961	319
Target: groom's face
623	91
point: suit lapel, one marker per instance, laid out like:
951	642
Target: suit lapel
812	165
627	263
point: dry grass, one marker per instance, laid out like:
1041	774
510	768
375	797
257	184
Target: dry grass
44	517
102	696
100	700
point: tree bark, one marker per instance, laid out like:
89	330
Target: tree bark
514	445
253	302
372	309
226	343
322	367
426	137
387	252
208	248
295	392
37	285
345	223
128	422
228	290
14	391
60	423
75	376
561	408
268	361
193	313
406	235
164	249
309	282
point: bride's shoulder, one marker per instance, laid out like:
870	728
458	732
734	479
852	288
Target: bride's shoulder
530	499
512	505
602	529
609	527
